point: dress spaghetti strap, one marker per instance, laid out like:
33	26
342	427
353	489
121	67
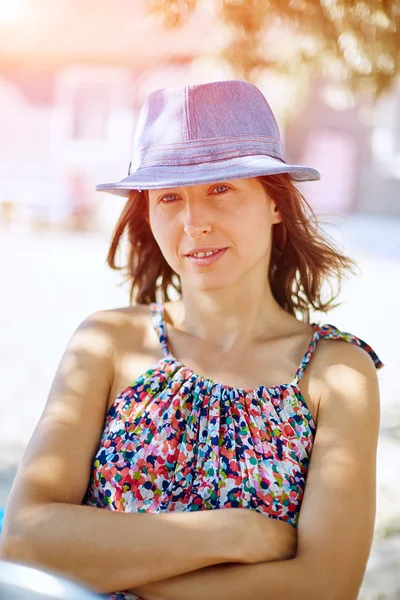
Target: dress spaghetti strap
333	333
158	321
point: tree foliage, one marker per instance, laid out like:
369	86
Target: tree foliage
354	43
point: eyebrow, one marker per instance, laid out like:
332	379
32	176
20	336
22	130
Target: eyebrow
176	189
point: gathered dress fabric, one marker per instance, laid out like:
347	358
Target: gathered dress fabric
177	441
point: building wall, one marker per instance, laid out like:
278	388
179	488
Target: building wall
357	151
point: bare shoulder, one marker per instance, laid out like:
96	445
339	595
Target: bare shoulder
346	376
132	342
115	325
113	318
98	334
336	357
128	328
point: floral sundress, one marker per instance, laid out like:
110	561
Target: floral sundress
176	441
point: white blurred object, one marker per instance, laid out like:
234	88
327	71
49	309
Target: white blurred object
20	582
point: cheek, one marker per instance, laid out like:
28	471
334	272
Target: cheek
165	234
254	228
158	228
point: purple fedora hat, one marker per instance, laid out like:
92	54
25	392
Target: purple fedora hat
204	134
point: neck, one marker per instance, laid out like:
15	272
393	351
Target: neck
229	318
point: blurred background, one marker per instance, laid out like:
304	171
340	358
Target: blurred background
73	76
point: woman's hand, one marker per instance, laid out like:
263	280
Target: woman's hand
257	538
246	537
267	539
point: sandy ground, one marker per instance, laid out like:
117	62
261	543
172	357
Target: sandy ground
45	274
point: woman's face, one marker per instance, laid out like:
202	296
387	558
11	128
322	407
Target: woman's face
234	217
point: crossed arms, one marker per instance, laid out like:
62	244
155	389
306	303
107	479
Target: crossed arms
177	556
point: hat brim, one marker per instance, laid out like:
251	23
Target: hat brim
171	176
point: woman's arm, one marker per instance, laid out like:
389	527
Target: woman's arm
338	509
45	523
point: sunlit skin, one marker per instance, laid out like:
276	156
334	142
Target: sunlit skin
237	214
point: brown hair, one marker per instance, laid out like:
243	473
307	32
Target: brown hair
302	258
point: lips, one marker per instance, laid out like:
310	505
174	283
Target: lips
203	261
203	250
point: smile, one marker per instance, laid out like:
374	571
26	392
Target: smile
206	258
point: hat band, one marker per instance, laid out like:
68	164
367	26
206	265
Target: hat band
209	150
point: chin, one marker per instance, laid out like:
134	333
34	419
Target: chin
210	282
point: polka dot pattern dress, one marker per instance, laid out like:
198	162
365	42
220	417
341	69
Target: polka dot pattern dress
176	441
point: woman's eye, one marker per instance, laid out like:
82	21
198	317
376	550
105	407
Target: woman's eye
221	188
168	198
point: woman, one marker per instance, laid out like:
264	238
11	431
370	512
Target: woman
237	399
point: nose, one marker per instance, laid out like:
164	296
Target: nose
196	220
